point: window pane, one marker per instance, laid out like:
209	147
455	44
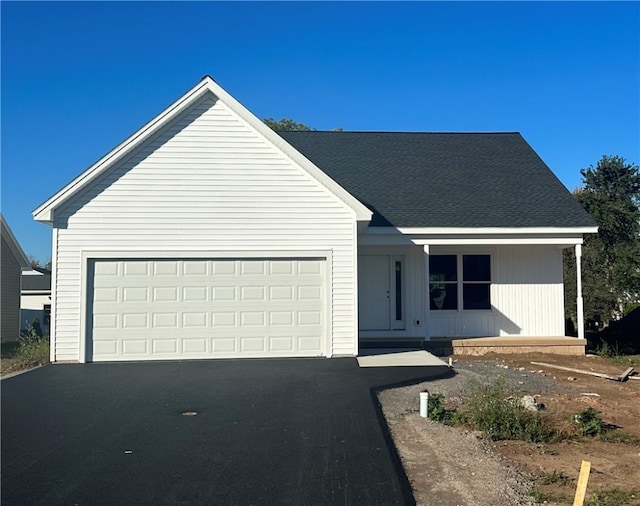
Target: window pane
476	296
442	268
476	268
443	296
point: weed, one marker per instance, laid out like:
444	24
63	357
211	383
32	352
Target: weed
436	410
613	497
589	422
489	410
439	413
607	350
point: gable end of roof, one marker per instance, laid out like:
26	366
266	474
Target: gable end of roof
45	212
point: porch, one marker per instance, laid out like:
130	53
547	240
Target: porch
477	346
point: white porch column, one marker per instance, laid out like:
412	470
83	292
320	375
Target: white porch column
579	303
425	318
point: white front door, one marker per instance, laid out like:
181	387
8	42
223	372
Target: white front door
380	292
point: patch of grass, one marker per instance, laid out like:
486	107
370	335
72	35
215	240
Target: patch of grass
554	478
613	497
620	437
488	409
625	360
547	497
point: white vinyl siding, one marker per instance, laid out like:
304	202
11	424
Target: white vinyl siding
529	290
208	183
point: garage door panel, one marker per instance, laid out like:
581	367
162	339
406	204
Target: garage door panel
282	344
195	346
207	308
135	347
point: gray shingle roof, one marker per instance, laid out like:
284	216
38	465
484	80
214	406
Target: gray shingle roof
444	179
34	282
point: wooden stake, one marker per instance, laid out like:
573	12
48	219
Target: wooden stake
581	489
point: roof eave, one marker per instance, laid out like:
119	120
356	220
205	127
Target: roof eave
481	230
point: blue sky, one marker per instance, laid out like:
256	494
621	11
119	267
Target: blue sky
80	77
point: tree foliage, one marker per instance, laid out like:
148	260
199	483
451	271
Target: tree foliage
610	259
286	124
35	262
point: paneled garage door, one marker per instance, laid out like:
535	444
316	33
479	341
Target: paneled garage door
196	308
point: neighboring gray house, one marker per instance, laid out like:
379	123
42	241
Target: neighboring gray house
208	235
35	301
13	262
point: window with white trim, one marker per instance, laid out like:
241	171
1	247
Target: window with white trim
459	282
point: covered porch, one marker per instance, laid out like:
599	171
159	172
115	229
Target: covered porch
468	293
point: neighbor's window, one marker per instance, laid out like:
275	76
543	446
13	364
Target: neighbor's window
450	290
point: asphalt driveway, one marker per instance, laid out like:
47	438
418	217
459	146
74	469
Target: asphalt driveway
266	432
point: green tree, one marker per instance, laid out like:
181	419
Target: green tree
610	259
286	124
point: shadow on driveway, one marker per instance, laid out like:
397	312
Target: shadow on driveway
299	431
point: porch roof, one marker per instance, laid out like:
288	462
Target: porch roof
456	180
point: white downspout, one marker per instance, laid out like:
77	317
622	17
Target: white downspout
579	301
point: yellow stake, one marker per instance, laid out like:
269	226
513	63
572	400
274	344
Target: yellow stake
581	489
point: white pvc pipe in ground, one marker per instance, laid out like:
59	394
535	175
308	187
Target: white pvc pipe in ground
424	404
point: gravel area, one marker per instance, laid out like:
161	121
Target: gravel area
447	466
405	400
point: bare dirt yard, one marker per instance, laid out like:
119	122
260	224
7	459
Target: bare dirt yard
457	466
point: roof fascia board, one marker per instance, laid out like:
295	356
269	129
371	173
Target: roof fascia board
44	212
361	211
398	240
448	231
513	241
14	245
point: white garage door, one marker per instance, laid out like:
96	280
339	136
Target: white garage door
219	308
